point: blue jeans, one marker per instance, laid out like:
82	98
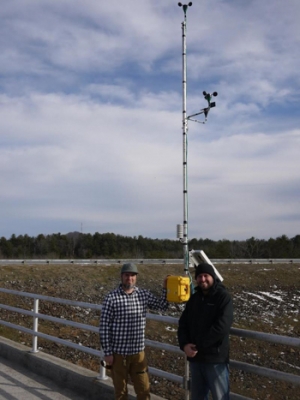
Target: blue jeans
207	378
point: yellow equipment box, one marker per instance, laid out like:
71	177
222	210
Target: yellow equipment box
178	289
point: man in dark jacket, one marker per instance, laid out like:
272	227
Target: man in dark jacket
203	335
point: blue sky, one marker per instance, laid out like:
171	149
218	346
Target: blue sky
91	109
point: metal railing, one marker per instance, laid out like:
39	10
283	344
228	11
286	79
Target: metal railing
182	380
149	261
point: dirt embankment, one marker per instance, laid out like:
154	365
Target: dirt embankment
266	299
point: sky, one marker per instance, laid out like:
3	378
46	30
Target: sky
91	102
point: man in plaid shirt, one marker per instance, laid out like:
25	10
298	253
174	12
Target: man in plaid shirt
122	333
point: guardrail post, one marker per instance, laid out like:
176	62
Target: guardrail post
102	376
35	326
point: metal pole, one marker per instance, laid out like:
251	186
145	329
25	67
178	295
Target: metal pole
35	327
185	174
102	376
185	143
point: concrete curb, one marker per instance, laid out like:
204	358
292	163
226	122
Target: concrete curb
63	373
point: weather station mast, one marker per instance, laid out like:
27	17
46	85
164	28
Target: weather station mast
182	230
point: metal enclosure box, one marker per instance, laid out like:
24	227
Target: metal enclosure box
178	289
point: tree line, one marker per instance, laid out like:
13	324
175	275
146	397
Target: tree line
109	245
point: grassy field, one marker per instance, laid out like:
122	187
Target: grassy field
266	299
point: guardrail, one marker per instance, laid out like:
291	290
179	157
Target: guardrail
149	261
182	380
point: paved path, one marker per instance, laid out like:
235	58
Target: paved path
18	383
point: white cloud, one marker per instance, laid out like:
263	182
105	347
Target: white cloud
91	109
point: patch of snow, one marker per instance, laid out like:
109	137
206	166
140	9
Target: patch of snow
290	365
256	295
272	296
170	329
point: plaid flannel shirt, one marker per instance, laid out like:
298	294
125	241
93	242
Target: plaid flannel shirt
123	320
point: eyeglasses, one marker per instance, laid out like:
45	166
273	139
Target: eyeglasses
104	365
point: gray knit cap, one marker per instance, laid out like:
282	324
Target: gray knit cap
129	267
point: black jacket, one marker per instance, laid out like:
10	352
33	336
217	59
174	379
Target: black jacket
206	322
